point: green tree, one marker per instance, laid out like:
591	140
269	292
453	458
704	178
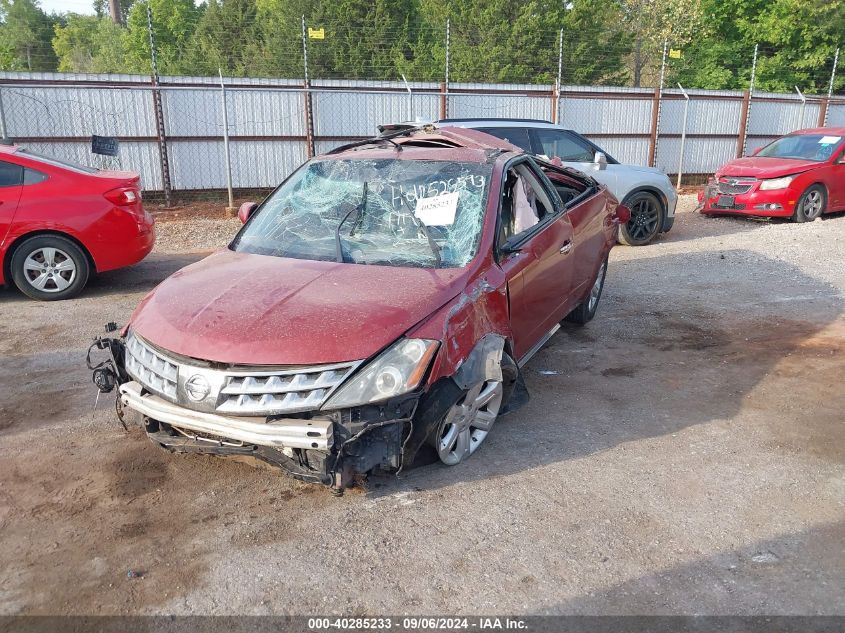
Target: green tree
25	33
797	40
219	40
89	44
101	8
174	22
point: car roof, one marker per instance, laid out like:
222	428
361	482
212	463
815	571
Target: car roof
428	142
833	131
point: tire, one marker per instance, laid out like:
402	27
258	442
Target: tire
468	422
646	219
49	268
586	310
811	204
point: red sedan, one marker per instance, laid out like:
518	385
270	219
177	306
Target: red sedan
381	300
60	223
800	176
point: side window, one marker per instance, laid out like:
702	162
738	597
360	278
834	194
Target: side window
33	177
10	175
524	203
564	146
516	135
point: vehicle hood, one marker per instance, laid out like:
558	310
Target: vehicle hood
250	309
764	167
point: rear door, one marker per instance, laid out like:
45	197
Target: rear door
535	242
11	185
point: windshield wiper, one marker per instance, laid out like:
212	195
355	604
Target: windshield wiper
360	209
419	223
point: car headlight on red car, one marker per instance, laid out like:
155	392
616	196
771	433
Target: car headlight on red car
396	371
776	183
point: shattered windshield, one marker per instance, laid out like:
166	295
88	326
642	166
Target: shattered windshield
387	212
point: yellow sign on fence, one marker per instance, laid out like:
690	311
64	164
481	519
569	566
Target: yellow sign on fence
316	34
675	53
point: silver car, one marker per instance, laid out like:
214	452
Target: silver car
645	190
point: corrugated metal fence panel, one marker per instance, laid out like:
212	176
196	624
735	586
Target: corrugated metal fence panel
718	116
39	111
781	116
836	114
633	151
358	113
485	106
594	115
257	113
701	155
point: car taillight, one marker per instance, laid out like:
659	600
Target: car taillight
123	196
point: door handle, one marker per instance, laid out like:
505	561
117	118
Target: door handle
567	246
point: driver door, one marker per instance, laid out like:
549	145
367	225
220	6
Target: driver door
535	242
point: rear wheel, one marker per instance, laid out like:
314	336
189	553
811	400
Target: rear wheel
49	268
587	309
811	204
646	219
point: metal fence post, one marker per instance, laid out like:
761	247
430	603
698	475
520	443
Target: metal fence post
746	109
3	129
231	208
410	98
655	110
823	112
159	115
556	95
309	116
444	99
801	111
683	137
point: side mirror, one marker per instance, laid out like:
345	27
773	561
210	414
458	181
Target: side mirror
246	211
600	161
623	214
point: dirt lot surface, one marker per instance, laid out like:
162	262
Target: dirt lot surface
683	453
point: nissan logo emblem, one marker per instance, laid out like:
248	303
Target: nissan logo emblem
197	388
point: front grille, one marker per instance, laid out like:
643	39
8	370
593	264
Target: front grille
735	187
300	389
236	391
151	369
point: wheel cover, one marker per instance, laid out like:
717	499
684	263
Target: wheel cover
468	422
595	291
645	217
49	269
813	204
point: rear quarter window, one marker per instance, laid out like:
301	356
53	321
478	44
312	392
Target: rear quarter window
33	177
11	175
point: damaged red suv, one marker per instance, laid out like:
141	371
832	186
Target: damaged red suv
381	300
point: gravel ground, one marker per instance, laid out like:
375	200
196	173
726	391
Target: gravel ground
682	453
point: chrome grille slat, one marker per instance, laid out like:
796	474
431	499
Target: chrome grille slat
248	391
735	186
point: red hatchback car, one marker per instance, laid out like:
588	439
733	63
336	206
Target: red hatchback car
382	299
800	176
60	223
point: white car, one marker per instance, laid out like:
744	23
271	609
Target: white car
645	190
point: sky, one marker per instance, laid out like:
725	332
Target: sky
60	6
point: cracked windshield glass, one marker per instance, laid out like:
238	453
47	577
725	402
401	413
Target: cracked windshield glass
386	212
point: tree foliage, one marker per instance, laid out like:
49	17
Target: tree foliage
615	42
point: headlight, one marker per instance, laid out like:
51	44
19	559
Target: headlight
397	370
776	183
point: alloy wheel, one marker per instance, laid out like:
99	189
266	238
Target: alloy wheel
468	422
49	269
645	217
813	203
